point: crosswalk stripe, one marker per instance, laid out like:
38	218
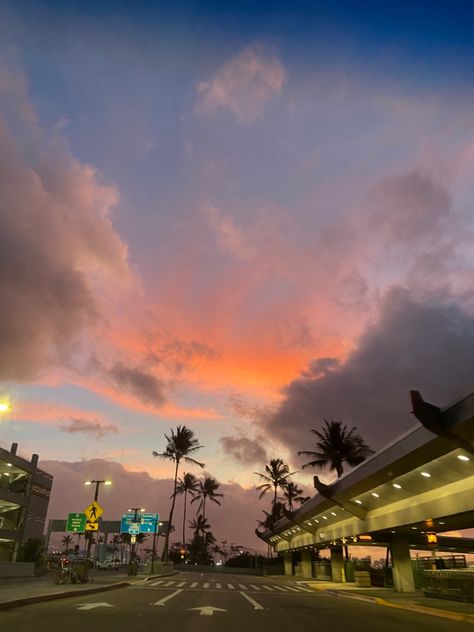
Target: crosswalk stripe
242	587
160	581
180	584
305	589
206	585
293	589
194	584
254	587
218	585
169	583
280	588
267	587
230	586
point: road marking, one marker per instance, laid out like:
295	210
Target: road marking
254	587
180	584
280	588
208	611
194	584
160	581
161	602
255	604
242	587
305	589
230	586
170	583
218	585
293	589
90	606
205	585
267	587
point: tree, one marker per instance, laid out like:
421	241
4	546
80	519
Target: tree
207	489
274	478
337	445
292	493
186	485
180	445
202	540
67	540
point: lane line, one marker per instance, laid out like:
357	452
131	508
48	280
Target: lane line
230	586
194	584
162	601
255	604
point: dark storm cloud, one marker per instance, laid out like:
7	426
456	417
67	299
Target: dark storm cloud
414	345
138	382
93	427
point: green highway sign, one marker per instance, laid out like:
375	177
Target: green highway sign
76	522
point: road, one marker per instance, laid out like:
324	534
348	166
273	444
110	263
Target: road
217	602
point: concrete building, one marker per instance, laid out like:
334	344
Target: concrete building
24	496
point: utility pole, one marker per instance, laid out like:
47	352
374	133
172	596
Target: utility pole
96	497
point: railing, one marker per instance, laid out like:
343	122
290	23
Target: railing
449	584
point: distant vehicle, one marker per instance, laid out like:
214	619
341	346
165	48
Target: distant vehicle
108	564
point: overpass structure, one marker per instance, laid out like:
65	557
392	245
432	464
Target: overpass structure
418	486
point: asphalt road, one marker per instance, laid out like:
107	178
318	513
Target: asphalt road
215	602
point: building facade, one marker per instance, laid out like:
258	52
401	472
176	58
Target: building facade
25	490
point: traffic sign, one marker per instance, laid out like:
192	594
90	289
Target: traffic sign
93	511
134	528
147	523
76	522
92	526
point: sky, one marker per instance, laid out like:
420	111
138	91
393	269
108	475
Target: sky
243	218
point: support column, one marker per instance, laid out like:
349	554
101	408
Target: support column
306	564
403	580
337	564
288	562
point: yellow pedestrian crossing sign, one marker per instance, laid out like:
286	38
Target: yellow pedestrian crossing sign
92	526
93	511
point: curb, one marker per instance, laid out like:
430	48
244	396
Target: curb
24	601
412	607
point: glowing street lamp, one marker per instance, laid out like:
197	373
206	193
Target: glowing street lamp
5	407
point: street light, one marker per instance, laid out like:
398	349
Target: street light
96	496
155	537
5	407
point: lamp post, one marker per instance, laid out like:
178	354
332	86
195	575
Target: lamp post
155	536
96	496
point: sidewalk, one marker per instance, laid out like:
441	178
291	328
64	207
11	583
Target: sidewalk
413	601
22	591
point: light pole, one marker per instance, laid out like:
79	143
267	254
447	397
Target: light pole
96	497
155	536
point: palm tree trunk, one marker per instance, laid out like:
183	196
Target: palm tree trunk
275	496
184	519
204	508
164	556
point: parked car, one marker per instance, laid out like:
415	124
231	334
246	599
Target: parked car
108	564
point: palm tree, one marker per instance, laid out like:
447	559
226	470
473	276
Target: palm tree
292	493
199	525
187	484
207	489
337	445
180	445
67	540
275	477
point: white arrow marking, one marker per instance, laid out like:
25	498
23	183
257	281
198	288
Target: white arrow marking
208	611
90	606
161	602
255	604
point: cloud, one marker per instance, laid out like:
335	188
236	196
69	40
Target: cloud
94	427
139	382
425	345
248	451
58	248
229	236
244	85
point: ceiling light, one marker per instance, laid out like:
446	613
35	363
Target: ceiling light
441	522
325	517
397	486
359	502
426	474
415	528
375	495
463	457
333	513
